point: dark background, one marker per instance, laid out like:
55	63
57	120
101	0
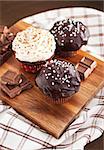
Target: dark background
12	11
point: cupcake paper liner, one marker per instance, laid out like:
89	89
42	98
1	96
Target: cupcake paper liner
31	68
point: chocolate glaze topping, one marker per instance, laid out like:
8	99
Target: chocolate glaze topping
70	35
58	79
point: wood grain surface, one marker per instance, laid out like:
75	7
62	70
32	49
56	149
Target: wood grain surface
33	105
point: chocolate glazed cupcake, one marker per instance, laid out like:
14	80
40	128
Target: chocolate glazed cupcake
33	47
70	36
59	80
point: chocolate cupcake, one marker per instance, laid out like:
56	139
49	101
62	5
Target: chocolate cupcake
6	38
33	47
70	36
59	80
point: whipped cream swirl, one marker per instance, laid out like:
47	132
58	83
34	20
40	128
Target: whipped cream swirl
34	44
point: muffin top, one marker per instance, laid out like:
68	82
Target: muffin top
34	44
70	34
58	79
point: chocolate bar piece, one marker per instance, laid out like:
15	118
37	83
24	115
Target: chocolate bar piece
6	38
4	57
84	71
89	62
11	78
85	67
11	90
14	89
25	84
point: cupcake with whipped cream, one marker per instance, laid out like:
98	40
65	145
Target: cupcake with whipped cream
33	47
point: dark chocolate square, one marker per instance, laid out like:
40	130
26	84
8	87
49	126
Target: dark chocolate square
4	57
88	62
84	71
14	89
10	90
11	78
25	84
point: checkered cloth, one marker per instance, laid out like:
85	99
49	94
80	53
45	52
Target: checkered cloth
18	133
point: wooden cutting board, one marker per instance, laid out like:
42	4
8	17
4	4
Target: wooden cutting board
33	105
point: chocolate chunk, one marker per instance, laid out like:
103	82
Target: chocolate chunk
6	38
85	67
14	87
11	78
25	84
10	90
4	56
89	62
84	71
